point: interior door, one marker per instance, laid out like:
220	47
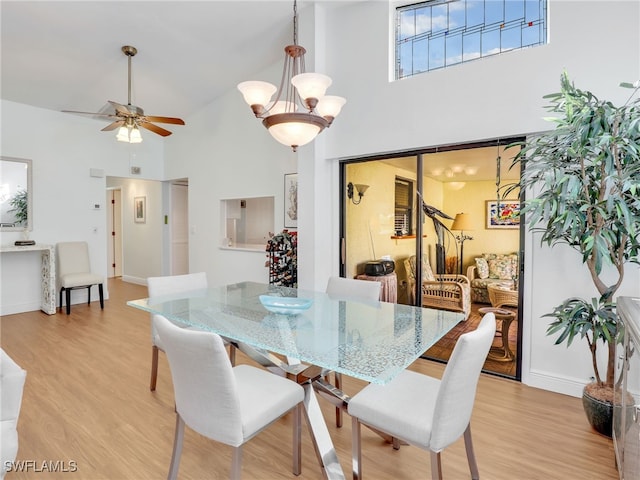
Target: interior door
179	228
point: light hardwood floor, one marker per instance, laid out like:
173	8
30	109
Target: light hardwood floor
87	400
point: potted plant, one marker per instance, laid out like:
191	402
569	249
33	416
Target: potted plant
584	182
19	204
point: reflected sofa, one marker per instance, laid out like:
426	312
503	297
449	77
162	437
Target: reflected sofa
498	269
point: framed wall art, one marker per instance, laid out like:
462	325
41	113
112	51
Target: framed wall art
291	200
140	209
505	215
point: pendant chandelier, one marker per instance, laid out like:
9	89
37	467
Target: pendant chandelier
301	110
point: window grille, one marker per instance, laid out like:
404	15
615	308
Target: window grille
440	33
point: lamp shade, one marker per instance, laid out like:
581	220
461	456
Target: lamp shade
256	92
123	134
294	129
330	105
311	84
134	135
463	221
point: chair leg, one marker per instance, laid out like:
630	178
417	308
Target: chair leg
471	457
89	295
68	298
177	448
356	449
436	466
297	439
232	354
236	463
61	290
338	384
154	368
101	293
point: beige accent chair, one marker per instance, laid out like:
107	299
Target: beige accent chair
423	411
224	403
443	291
74	272
12	379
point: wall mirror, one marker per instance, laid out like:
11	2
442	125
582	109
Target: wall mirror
16	194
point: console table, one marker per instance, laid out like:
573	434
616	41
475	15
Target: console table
47	272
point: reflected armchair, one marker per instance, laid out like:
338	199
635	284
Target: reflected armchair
443	291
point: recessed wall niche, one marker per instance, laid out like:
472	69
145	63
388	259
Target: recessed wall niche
246	222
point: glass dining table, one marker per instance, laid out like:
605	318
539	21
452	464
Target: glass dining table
305	335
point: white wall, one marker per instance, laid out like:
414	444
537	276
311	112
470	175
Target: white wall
63	148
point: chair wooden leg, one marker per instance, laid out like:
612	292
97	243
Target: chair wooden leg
297	439
177	448
338	384
61	290
101	293
68	298
154	368
236	463
471	457
436	466
356	449
232	354
89	295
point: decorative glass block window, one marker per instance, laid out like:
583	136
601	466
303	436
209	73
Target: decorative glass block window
440	33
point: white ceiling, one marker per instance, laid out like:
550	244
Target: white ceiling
67	55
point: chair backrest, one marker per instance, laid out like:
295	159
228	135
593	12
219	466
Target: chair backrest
173	284
456	396
73	257
354	289
204	385
160	286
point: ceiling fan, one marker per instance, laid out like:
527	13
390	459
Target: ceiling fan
129	117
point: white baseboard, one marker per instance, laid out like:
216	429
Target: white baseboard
19	308
136	280
564	385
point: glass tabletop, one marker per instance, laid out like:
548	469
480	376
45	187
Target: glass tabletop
372	341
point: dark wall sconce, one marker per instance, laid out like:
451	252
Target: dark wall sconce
359	188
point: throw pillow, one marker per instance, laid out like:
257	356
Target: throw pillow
427	273
501	267
482	267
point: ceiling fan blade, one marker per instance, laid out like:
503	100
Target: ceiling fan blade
121	109
155	128
175	121
89	113
113	126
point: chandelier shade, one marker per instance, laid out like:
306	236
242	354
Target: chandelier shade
300	110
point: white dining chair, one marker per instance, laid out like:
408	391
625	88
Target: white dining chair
74	272
341	288
354	289
224	403
424	411
169	285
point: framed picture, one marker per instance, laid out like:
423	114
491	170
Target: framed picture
291	200
505	215
140	209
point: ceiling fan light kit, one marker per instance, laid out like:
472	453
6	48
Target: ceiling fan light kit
301	109
129	118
